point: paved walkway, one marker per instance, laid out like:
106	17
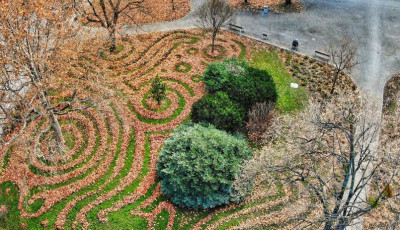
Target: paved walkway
373	26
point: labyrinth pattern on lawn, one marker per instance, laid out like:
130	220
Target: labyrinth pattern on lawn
109	165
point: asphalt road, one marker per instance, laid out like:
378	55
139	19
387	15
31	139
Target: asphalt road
373	27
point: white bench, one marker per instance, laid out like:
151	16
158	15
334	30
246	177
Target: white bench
323	56
236	28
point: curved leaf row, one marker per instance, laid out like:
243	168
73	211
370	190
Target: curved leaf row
108	173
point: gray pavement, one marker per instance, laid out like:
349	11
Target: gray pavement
373	26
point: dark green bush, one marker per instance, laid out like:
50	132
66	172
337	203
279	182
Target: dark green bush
220	111
198	164
243	84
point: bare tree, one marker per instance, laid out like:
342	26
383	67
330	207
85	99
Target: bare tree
343	59
31	54
395	223
387	215
338	160
329	149
108	14
260	118
214	14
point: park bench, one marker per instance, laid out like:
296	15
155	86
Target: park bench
236	28
323	56
265	36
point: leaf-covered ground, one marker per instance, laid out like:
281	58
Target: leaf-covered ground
276	6
384	215
154	11
107	178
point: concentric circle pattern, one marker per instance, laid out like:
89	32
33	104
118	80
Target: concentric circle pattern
108	162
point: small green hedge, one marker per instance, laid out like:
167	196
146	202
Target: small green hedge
243	84
289	99
198	164
233	88
220	111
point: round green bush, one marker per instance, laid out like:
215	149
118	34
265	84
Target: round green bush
219	110
198	164
244	84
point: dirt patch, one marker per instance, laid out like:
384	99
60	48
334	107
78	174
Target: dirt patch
276	6
315	75
161	10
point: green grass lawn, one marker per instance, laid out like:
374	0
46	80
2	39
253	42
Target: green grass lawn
12	218
289	99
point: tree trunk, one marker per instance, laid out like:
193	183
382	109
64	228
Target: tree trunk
396	222
334	82
57	132
246	2
173	5
288	2
341	226
113	38
213	40
328	226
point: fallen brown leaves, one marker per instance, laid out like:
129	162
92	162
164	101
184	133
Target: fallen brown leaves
156	11
3	209
276	6
384	215
118	80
